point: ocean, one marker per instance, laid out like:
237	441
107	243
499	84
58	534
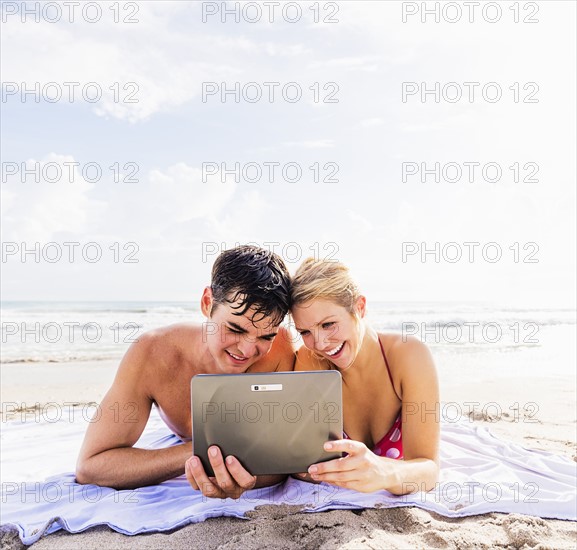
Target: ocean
509	341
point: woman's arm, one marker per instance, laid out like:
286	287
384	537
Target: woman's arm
362	470
419	471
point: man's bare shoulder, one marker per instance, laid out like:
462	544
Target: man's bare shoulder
164	347
281	356
306	359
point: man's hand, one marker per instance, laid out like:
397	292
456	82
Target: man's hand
230	481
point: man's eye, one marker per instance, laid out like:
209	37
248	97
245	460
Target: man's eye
234	331
304	332
268	338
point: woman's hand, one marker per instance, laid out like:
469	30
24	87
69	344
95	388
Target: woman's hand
362	470
305	477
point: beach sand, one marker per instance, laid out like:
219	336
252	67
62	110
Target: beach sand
548	425
28	384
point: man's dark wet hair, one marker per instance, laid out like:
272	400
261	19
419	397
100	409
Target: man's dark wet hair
255	276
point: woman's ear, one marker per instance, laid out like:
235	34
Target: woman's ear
361	306
206	302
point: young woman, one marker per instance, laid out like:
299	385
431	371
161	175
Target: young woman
390	387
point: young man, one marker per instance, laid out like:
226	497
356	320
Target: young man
247	300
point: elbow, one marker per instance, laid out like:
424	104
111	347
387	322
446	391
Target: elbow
433	480
409	488
426	480
85	474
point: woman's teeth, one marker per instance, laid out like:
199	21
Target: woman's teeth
336	350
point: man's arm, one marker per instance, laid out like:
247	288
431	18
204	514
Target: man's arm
107	457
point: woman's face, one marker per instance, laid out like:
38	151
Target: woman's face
330	330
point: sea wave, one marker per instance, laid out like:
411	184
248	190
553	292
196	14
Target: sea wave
35	332
59	359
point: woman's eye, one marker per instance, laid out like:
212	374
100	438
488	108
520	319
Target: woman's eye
328	325
304	333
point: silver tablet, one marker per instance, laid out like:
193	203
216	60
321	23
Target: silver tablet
273	423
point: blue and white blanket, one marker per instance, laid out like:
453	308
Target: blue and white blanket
479	474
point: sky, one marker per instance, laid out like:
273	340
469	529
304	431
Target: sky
315	133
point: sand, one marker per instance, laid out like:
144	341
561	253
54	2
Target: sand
32	383
280	527
552	428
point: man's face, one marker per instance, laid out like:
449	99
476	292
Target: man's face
235	341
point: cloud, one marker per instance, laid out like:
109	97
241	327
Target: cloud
370	122
311	144
360	223
180	193
135	75
38	208
360	63
243	220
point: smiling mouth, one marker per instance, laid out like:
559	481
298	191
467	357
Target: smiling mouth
335	351
237	357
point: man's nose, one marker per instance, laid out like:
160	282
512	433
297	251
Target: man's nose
246	346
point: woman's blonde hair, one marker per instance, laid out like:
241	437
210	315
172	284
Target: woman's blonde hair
327	280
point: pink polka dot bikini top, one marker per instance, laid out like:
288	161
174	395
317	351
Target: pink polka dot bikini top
391	445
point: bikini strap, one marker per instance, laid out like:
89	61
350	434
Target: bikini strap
388	369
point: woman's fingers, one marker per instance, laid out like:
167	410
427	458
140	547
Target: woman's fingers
348	446
355	451
347	471
342	478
